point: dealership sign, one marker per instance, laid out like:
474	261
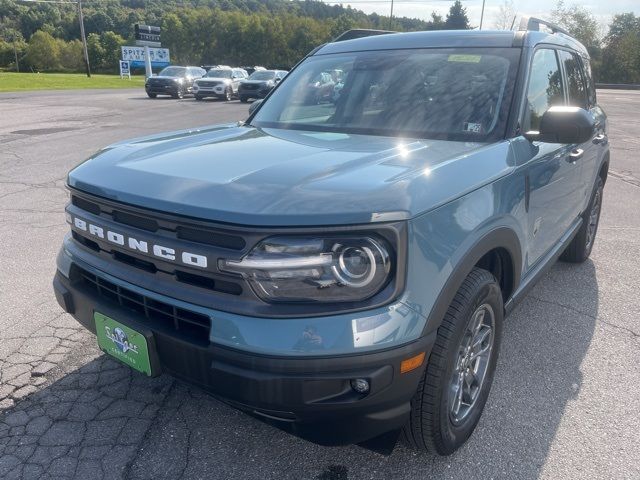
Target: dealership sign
135	56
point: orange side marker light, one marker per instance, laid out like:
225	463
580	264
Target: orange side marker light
412	363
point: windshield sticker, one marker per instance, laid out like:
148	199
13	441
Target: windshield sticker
465	58
473	127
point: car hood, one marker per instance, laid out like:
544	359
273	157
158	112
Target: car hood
216	79
163	77
255	82
245	175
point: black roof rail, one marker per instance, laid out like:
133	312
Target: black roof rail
533	24
359	33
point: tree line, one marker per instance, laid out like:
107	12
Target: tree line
275	33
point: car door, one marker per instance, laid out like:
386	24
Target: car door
552	175
581	93
577	96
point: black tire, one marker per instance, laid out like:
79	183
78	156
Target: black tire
432	424
198	97
179	93
244	99
152	95
580	247
228	94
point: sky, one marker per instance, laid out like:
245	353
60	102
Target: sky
603	10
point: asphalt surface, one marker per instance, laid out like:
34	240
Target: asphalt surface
564	403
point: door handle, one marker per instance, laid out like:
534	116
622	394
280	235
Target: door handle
576	154
600	138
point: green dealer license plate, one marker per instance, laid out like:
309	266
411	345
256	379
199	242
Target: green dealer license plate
123	343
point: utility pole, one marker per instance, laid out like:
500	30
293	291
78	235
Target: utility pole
391	16
482	15
84	39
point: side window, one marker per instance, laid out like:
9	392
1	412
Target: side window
576	87
544	90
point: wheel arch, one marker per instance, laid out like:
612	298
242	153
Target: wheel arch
498	251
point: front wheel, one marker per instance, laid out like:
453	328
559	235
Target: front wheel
244	99
198	97
228	94
454	389
179	93
580	247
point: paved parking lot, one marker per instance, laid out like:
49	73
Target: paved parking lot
564	404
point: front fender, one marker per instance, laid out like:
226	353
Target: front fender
445	245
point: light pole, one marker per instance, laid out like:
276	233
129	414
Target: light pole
391	16
482	15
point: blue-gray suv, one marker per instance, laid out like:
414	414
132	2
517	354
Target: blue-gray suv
342	268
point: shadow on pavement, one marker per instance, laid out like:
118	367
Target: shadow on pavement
103	420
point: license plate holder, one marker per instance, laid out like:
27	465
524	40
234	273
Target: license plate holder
132	346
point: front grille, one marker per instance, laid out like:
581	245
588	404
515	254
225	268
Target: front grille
205	236
208	84
250	86
157	315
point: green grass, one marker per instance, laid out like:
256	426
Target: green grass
13	82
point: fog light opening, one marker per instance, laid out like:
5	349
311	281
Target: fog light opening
360	385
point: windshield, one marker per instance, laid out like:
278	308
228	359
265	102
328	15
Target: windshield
173	72
452	94
262	75
219	73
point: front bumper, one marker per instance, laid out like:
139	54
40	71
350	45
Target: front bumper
168	89
309	396
254	93
216	91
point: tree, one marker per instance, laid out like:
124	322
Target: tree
621	54
457	17
505	16
71	55
95	51
579	22
111	43
43	52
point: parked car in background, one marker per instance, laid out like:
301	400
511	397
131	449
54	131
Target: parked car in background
220	83
173	80
259	84
320	89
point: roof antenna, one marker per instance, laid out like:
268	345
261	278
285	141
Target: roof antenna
513	22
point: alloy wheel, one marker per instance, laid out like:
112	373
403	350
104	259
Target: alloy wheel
474	355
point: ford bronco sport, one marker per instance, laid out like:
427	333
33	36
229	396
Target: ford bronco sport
343	268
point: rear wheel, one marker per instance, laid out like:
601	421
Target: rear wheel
151	95
580	247
456	382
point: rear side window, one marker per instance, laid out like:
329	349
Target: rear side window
544	90
576	87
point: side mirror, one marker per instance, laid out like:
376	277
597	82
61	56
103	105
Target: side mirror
564	125
254	105
278	80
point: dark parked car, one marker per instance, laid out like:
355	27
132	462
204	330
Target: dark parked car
220	83
175	81
259	84
344	269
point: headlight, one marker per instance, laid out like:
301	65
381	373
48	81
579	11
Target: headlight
311	269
